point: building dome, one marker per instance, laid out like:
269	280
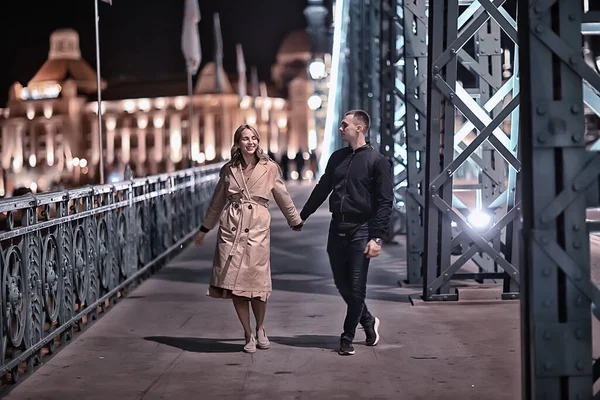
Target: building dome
65	63
64	44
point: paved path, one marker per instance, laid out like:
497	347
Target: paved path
167	340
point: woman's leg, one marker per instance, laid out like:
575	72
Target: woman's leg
260	309
242	307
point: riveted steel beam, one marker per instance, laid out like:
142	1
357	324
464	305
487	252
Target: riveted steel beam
471	204
559	180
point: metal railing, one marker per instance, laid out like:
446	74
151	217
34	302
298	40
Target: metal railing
67	256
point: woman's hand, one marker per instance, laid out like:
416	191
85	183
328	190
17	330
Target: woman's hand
199	241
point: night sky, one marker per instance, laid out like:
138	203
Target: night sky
141	39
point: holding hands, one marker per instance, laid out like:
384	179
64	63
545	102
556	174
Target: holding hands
298	227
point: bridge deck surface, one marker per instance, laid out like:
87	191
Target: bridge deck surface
167	340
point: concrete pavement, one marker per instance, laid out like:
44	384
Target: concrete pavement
167	340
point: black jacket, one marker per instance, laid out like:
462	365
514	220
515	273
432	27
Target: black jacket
361	187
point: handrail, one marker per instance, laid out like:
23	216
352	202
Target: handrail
67	256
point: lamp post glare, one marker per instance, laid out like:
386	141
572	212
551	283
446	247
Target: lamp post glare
316	69
314	102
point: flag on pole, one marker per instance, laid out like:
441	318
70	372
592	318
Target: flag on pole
218	52
108	1
241	67
190	38
255	84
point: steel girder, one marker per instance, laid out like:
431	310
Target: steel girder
363	59
480	141
560	178
392	106
415	84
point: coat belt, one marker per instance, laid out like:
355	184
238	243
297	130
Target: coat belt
242	200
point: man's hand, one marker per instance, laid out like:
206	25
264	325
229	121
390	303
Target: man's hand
199	241
298	227
373	249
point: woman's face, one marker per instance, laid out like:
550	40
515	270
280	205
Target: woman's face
248	142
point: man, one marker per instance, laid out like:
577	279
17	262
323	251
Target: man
360	182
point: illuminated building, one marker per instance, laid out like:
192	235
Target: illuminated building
49	132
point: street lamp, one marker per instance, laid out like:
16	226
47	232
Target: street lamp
314	102
316	69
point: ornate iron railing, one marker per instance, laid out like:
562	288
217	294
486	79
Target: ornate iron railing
67	256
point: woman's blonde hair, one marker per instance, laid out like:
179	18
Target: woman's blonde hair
236	153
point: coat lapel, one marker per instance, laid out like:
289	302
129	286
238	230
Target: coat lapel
259	171
237	174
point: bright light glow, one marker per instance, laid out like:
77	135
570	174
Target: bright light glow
159	122
282	122
160	103
332	97
50	155
95	107
129	106
180	103
294	175
33	186
314	102
48	111
114	177
210	153
312	139
46	92
245	103
76	161
30	113
17	164
278	103
316	69
32	160
201	158
144	104
142	122
83	163
479	219
251	119
111	123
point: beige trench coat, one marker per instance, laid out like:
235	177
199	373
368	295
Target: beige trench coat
242	255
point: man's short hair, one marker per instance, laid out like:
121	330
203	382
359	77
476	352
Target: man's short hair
362	117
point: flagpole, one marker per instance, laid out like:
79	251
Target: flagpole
98	79
191	122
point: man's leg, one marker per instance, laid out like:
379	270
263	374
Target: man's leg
337	250
358	267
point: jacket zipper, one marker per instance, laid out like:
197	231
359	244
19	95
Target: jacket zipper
346	185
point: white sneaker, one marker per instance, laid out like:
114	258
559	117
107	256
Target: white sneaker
263	340
250	346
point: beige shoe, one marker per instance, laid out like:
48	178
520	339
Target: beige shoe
263	340
250	346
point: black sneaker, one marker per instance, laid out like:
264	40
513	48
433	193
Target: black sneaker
372	332
346	348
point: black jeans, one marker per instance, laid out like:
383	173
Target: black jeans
350	266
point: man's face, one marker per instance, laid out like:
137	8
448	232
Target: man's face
350	129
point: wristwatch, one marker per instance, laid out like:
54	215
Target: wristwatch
378	241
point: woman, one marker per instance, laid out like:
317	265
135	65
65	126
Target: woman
241	268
